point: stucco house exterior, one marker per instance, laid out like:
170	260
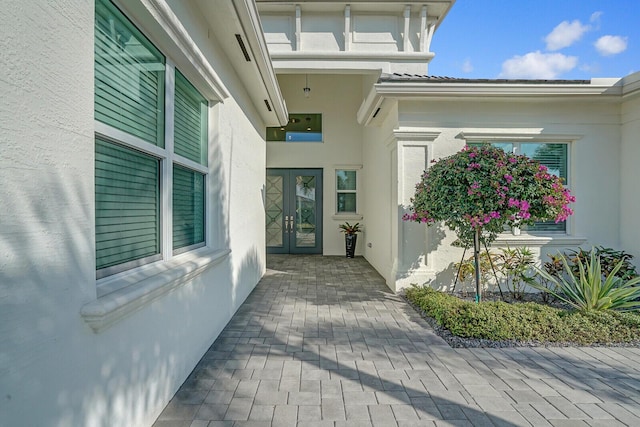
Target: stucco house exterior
152	152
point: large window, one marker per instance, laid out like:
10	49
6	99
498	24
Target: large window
346	191
554	156
137	161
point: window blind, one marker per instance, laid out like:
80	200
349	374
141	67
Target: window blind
554	157
188	207
129	77
127	203
190	135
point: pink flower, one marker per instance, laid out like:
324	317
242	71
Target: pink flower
513	160
508	177
472	154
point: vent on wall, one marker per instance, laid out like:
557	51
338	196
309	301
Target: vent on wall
243	48
267	104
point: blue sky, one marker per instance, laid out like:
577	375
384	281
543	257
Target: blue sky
538	39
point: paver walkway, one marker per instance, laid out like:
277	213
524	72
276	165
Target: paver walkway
323	342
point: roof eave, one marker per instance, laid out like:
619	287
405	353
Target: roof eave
473	90
382	93
252	28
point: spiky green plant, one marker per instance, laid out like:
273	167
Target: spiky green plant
590	290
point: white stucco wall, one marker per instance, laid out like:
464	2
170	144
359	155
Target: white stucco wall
629	175
54	370
337	98
594	177
380	189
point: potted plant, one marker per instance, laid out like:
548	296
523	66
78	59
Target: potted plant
350	237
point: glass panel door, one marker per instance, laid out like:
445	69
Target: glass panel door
293	203
274	206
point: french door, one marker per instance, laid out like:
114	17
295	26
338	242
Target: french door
293	202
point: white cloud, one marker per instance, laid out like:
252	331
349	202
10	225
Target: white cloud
537	65
467	66
565	34
611	45
595	17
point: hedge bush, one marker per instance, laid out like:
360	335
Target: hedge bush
530	321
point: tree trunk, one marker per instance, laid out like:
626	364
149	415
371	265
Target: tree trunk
476	257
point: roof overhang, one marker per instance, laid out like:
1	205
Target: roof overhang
384	93
236	25
225	19
631	86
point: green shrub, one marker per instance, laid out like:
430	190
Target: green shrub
609	259
589	290
513	264
529	321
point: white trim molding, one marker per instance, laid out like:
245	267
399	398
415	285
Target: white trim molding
163	14
424	135
512	134
531	240
139	288
426	89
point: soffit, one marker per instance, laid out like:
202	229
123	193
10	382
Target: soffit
229	18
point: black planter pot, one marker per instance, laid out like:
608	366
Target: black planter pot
350	244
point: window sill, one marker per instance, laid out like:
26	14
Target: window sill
140	288
531	240
347	216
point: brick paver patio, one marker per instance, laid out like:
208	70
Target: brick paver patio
322	341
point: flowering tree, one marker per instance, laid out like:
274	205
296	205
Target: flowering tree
480	190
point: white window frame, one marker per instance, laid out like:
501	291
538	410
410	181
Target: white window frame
111	280
122	293
515	136
348	215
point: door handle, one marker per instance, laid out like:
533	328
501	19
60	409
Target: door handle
286	223
291	224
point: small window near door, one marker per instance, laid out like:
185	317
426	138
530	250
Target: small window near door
301	128
346	191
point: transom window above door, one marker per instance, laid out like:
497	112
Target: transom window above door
300	128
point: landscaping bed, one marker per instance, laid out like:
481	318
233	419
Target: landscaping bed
500	324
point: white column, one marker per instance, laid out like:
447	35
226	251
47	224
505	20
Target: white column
298	27
347	28
407	21
414	241
423	29
431	29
